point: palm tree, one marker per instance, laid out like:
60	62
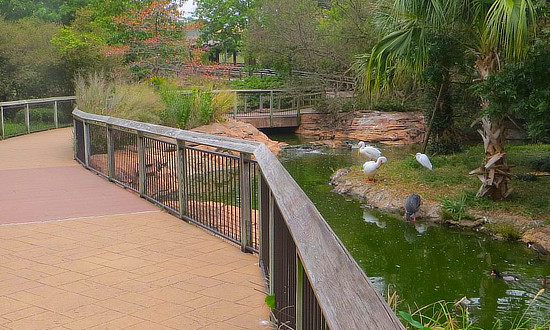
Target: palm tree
494	30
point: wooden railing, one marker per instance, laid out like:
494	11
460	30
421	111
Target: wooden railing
239	190
26	116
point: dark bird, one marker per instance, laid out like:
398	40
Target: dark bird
545	285
412	205
496	273
537	247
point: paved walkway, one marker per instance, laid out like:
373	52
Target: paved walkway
78	252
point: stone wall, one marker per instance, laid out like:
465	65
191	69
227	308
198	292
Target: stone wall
394	128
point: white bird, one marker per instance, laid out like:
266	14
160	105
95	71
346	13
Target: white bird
370	167
369	151
424	160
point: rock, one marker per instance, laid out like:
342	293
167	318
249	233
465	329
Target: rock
240	130
394	128
379	196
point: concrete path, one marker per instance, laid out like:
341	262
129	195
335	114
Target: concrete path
78	252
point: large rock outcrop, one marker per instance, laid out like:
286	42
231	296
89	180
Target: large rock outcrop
394	128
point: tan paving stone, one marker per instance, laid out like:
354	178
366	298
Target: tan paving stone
187	322
39	321
136	271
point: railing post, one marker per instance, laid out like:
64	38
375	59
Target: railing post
246	203
75	142
299	293
271	108
261	103
245	103
182	178
141	163
86	143
235	107
110	152
28	118
271	244
3	130
55	118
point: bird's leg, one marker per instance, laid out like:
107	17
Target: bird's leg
414	217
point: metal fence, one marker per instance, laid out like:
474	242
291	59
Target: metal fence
240	191
274	103
27	116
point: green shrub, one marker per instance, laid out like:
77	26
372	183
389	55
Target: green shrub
541	164
526	177
455	209
258	82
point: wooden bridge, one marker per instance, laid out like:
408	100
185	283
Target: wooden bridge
144	268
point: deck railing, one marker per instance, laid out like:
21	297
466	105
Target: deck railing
274	103
240	191
26	116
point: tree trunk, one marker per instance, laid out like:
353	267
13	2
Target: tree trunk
495	173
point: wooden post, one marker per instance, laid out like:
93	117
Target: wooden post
299	294
271	108
75	141
245	103
271	244
110	152
182	178
86	143
141	163
28	118
3	130
55	118
246	203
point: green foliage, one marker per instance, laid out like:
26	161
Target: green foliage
507	230
270	301
259	82
45	115
523	90
30	65
541	164
225	21
60	11
95	94
455	209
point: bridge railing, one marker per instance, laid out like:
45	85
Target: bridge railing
274	102
27	116
240	191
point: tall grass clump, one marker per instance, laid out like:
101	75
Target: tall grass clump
195	106
96	94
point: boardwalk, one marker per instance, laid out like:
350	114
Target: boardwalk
77	252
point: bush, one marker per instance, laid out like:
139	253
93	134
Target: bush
455	209
258	82
506	230
541	164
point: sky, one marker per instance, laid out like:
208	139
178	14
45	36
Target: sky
188	7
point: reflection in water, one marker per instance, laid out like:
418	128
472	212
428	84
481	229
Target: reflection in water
369	218
424	263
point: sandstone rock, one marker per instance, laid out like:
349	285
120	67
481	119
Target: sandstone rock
240	130
394	128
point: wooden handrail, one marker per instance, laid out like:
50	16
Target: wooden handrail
35	101
345	296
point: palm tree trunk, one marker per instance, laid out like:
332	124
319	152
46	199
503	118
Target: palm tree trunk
495	173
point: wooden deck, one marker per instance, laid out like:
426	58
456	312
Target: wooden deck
111	260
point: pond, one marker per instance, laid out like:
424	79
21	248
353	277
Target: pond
422	262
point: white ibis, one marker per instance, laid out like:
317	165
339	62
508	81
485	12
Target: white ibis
424	160
370	168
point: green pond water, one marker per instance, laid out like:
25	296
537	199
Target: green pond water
423	263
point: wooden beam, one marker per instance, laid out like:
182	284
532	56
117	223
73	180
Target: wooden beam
55	115
245	214
182	178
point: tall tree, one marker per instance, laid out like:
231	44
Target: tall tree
153	37
494	30
224	23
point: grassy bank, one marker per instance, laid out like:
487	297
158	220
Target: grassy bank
450	183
